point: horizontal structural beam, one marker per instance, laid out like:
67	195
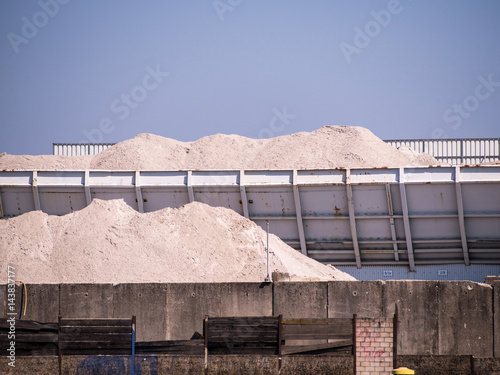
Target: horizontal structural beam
362	215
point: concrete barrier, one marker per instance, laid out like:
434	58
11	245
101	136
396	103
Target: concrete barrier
417	303
301	299
436	317
86	301
339	365
243	364
42	365
187	305
364	298
465	318
246	299
496	318
43	302
148	302
436	364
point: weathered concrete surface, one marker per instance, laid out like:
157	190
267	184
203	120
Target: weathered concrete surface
3	300
86	300
301	299
148	302
42	305
496	317
486	366
43	302
187	305
318	365
465	318
177	365
436	364
418	304
43	365
242	364
246	299
363	298
491	279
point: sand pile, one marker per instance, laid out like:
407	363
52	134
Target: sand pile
108	241
325	148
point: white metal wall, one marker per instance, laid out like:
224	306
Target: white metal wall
77	149
455	151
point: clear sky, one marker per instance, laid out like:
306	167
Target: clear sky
104	71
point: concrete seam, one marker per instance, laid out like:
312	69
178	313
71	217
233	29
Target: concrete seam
327	300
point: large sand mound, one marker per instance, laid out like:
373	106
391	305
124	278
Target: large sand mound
109	242
325	148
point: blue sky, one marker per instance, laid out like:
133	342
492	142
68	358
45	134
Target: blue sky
94	71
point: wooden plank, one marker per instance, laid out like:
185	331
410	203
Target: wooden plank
99	351
244	351
317	347
96	329
317	328
28	325
36	348
93	345
30	337
316	336
329	321
184	347
96	322
90	337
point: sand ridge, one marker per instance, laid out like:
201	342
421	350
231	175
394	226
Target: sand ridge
326	148
109	242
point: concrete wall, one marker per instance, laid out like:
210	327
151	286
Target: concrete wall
182	365
249	365
436	317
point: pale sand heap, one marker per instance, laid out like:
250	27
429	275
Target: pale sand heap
109	242
325	148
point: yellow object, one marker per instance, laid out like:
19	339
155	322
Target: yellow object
403	370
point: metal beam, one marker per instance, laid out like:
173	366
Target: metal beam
189	186
86	183
391	222
1	207
243	192
461	221
298	212
352	218
36	195
138	192
406	220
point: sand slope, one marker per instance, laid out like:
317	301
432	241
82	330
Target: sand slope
110	242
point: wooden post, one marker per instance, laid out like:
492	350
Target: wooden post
59	351
280	333
133	344
205	335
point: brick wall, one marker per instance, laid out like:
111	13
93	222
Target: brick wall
374	346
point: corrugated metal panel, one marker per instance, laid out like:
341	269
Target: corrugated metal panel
455	151
77	149
475	272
